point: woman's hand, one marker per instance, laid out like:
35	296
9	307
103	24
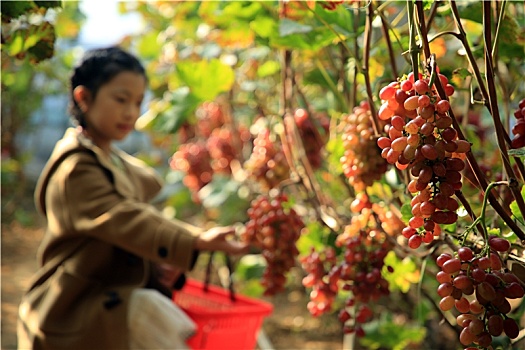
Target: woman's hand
218	239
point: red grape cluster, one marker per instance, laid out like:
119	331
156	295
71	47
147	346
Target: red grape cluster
194	159
421	138
221	150
267	163
479	288
206	147
518	130
275	228
312	141
323	289
359	269
362	161
209	117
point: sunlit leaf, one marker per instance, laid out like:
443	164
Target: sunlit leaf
387	333
181	105
242	9
268	68
148	45
336	150
313	237
263	26
69	20
406	212
239	36
405	272
514	208
206	79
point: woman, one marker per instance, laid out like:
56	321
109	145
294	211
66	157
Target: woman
103	238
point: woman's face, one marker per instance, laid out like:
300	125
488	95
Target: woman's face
112	114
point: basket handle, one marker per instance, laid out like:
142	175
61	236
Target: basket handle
230	275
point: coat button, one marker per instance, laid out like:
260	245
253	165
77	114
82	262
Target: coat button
163	252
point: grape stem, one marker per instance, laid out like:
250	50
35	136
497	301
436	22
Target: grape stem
489	73
480	177
481	218
412	46
462	36
366	60
386	33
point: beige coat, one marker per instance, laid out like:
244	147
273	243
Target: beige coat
101	237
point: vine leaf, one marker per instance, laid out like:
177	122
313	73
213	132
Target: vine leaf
462	73
206	79
405	272
514	206
288	27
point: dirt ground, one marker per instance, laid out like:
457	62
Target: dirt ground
289	326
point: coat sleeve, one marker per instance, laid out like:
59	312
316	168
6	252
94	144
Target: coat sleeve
89	205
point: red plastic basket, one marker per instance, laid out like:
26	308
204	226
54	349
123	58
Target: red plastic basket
221	322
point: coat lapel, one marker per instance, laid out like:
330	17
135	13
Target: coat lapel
122	178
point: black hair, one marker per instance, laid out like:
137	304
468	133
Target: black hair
97	67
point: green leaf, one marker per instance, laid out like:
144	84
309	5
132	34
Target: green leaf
406	212
268	68
148	46
405	272
263	26
182	105
206	79
463	73
288	27
13	9
471	10
313	40
387	333
221	198
510	45
341	20
516	210
336	149
241	9
48	4
313	238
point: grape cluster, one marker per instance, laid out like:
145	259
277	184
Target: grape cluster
209	117
207	147
422	139
359	270
312	140
267	163
317	265
194	159
478	287
362	162
275	228
221	150
518	130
